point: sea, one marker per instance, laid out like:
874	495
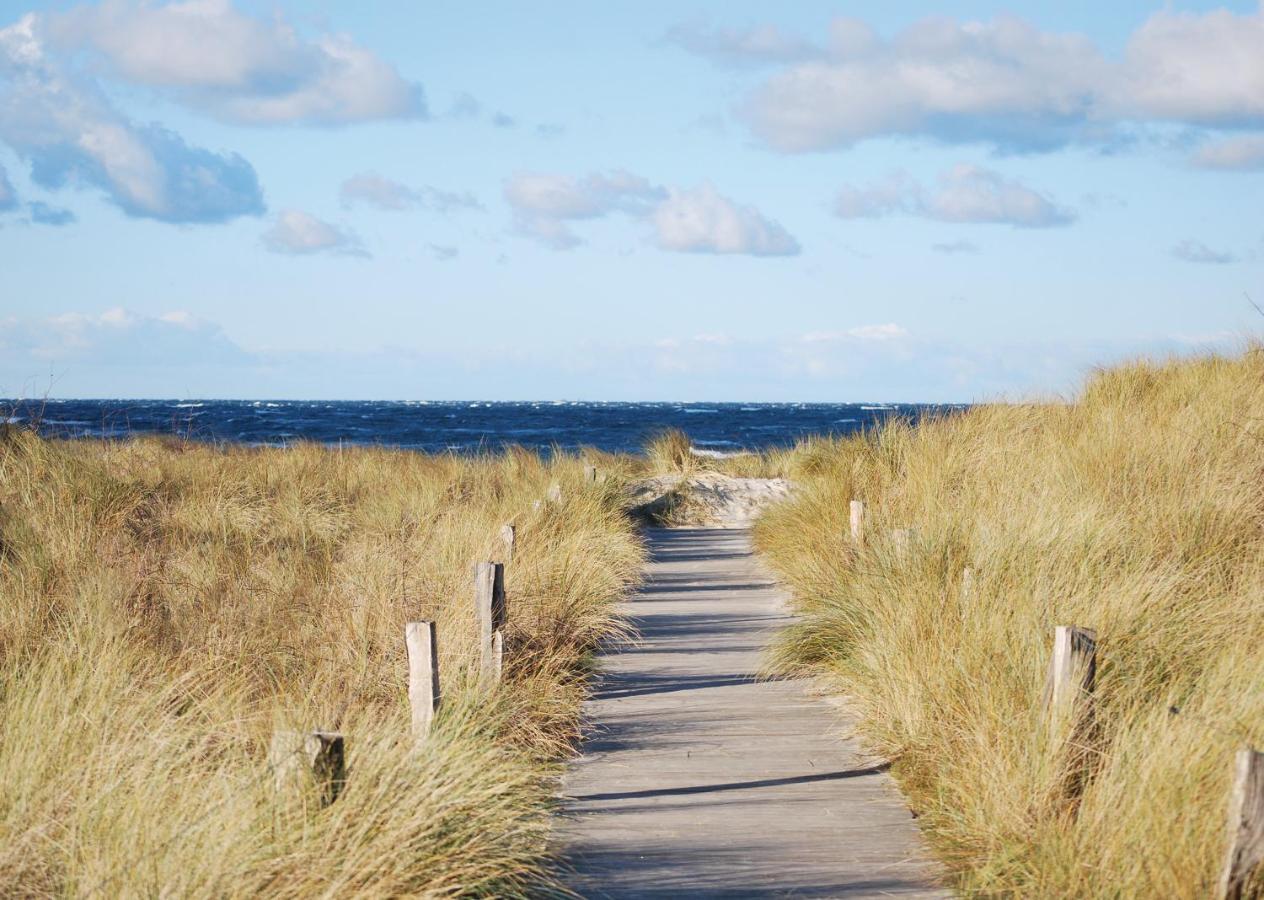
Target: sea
461	426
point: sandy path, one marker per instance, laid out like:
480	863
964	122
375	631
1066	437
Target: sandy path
699	781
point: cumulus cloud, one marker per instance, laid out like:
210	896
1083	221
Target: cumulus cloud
964	194
382	193
697	220
758	45
64	126
298	233
703	221
1007	83
1197	252
237	67
544	204
1235	153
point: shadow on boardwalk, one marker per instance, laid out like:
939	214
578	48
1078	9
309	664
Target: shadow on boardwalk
698	779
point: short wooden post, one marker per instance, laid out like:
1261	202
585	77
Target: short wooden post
1246	825
554	493
508	534
489	601
421	640
1072	668
857	520
316	758
590	474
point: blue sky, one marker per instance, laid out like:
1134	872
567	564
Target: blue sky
725	201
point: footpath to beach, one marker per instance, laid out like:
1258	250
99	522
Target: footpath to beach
698	780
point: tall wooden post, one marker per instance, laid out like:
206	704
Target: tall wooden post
857	521
421	640
489	602
302	759
1246	825
1072	668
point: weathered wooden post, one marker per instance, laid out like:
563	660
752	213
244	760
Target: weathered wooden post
1072	669
421	640
857	521
508	534
489	601
301	759
1246	825
554	493
590	474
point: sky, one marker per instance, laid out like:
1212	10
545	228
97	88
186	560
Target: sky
622	201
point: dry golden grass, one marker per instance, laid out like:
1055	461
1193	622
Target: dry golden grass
165	606
1137	510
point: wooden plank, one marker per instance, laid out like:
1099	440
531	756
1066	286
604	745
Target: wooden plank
302	760
857	521
421	641
1246	825
508	534
489	602
1072	668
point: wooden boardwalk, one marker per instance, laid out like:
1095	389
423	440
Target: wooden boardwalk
700	781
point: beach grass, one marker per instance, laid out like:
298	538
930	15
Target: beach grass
1137	510
165	606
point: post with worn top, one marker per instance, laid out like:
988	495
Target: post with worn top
857	520
421	641
1072	669
1246	825
309	759
489	601
508	534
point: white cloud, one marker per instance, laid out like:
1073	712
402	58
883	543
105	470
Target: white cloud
1198	252
302	234
237	67
702	221
1010	84
70	133
965	194
543	204
383	193
697	220
758	45
116	337
1240	153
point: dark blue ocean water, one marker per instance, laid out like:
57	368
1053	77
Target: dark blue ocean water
460	426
